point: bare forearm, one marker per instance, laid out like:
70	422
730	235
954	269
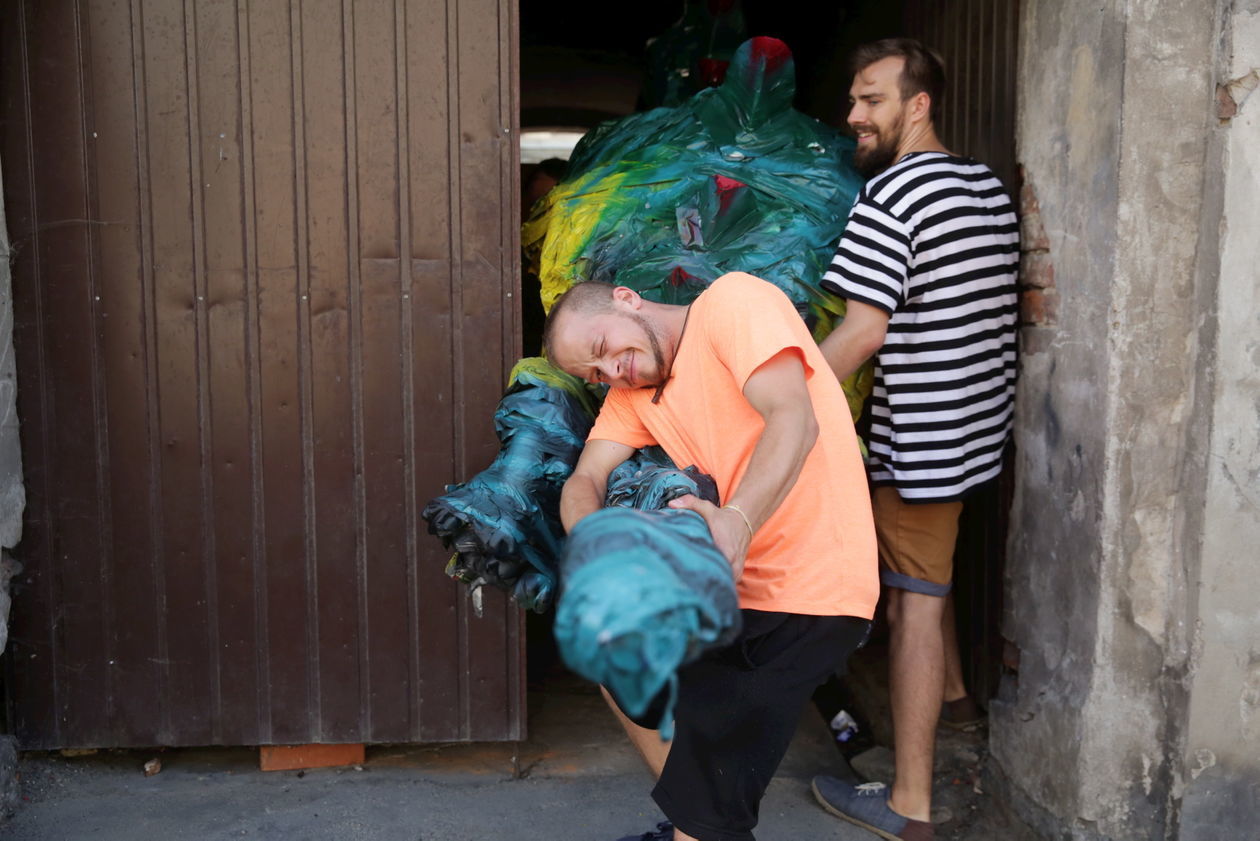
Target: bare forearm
776	463
844	352
582	495
855	340
584	492
778	391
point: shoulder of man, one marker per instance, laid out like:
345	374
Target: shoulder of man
740	292
889	182
742	283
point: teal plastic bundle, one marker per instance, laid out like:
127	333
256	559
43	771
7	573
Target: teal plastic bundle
504	524
649	479
644	592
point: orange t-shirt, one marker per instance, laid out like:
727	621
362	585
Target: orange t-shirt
816	554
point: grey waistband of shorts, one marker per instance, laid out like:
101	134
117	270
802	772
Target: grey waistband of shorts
914	585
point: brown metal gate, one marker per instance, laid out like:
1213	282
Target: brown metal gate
266	255
979	40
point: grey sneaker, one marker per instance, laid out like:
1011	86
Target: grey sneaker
664	832
867	806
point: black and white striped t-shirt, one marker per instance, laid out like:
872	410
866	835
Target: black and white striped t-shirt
933	241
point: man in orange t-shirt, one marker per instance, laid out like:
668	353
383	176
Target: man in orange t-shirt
734	385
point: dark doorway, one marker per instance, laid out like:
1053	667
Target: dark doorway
576	72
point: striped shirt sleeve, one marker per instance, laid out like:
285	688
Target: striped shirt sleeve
872	261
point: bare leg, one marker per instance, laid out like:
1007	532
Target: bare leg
954	686
916	681
647	742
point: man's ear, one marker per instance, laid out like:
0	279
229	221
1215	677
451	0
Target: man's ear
920	107
627	297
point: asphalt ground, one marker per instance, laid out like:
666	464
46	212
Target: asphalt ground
575	779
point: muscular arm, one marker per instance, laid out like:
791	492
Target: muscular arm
584	491
778	392
856	340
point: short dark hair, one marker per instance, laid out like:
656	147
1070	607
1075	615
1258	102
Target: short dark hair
585	298
924	71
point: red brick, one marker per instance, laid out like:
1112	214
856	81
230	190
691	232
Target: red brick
1038	307
1027	195
1036	269
1032	231
1226	107
1010	655
293	757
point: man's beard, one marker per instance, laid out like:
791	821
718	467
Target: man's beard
874	159
654	341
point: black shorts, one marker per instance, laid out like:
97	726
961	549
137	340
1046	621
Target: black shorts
737	711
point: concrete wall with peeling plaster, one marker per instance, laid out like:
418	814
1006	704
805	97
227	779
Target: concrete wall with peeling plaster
1131	564
1221	779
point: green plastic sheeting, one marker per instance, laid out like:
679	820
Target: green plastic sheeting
734	179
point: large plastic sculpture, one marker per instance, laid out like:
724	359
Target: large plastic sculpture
664	202
694	52
667	201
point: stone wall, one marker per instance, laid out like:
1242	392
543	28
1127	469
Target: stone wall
1124	551
1221	776
1069	138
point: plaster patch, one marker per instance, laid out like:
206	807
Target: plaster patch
1147	571
1083	124
1246	24
1077	510
1202	760
1249	700
1244	502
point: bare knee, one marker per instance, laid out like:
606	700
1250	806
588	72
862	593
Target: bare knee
908	610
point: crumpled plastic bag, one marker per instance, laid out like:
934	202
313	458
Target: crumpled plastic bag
649	479
734	179
644	592
504	524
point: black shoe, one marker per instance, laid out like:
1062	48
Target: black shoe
664	832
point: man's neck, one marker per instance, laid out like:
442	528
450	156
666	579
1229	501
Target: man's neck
671	318
920	138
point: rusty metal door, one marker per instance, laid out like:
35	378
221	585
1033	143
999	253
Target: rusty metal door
266	255
979	41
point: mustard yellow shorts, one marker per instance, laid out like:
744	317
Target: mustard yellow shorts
916	542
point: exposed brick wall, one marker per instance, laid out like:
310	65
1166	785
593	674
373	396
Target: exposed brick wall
1039	298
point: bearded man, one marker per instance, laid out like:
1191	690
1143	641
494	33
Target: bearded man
927	266
734	385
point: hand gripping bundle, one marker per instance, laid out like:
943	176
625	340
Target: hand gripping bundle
645	590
